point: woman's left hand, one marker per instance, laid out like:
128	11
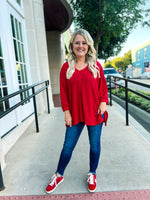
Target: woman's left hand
102	108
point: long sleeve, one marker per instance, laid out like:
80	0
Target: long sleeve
63	88
103	91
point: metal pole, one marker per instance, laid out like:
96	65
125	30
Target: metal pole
110	91
1	181
126	99
35	110
48	107
116	86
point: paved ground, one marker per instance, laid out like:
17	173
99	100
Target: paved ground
124	163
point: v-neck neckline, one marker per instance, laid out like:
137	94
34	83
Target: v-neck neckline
81	69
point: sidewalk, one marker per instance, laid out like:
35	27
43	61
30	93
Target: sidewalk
124	163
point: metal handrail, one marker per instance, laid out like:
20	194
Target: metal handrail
126	92
20	91
33	95
26	99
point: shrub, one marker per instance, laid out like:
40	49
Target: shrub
133	98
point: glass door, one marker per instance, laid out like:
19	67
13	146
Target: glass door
21	64
14	65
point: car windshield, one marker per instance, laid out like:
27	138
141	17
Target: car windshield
110	71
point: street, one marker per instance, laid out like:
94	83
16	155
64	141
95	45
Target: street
138	87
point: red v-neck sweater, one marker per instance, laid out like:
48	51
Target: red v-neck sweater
82	94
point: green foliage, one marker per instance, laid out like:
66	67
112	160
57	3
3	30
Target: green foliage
108	66
133	98
109	22
145	93
121	62
127	58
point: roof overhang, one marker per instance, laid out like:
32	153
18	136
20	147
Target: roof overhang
58	15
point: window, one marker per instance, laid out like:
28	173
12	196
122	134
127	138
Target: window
19	2
145	53
146	64
138	55
109	71
19	55
3	83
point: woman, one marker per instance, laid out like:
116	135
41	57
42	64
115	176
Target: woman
83	92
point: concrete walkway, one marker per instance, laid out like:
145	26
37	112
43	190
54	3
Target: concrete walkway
124	163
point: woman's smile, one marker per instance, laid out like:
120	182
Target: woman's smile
80	46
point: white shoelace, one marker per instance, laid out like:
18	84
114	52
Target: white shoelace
53	180
91	179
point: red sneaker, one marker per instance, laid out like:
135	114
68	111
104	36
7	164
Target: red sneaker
91	182
55	181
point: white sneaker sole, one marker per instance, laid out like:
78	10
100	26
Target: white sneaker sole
55	187
91	190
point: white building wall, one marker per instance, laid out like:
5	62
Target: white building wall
37	46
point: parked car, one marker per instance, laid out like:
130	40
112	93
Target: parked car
112	71
145	75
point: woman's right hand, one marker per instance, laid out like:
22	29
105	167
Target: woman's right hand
68	118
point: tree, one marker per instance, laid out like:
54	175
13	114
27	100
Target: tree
120	62
127	59
109	22
108	65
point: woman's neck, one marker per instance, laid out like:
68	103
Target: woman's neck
80	61
80	64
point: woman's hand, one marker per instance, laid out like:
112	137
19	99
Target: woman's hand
68	118
102	108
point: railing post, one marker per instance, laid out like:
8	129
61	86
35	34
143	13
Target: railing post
48	107
110	91
35	110
1	180
116	86
126	99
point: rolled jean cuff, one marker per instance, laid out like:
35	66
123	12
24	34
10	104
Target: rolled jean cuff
92	172
58	173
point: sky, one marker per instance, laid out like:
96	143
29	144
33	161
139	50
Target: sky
137	37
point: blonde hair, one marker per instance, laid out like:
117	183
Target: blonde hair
90	56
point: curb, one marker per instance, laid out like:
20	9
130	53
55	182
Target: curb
140	115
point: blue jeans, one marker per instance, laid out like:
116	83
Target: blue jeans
71	138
